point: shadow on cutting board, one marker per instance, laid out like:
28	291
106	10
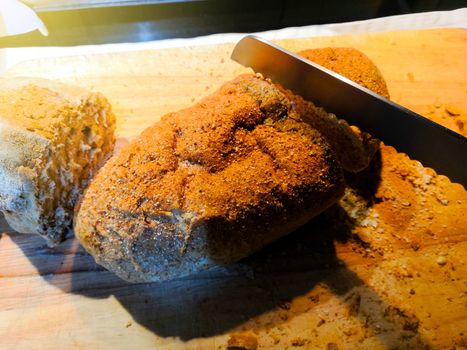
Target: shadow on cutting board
218	301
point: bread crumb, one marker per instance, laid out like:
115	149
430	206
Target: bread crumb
448	115
441	260
276	339
299	342
242	341
128	324
452	110
284	305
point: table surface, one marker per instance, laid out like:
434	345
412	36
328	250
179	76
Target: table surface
395	277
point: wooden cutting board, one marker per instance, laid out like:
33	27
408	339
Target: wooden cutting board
397	278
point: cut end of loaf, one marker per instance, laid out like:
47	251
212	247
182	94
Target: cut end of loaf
54	137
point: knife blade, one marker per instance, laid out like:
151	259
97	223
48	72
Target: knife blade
432	144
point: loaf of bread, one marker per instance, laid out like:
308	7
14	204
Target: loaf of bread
52	138
213	183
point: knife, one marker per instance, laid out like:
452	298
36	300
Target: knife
432	144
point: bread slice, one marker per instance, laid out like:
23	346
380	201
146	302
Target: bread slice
52	138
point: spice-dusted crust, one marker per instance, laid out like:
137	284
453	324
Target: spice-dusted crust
354	153
209	185
213	183
350	63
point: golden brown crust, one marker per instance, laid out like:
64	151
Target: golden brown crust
213	183
353	147
209	185
350	63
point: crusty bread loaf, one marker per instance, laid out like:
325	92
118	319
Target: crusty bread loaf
213	183
52	138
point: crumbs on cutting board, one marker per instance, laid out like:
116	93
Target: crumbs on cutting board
449	115
242	341
406	231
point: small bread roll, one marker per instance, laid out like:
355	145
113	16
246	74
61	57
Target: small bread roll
52	138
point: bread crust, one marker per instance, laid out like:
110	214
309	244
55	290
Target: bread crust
350	63
216	182
353	147
209	185
52	138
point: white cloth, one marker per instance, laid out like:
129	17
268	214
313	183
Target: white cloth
17	18
439	19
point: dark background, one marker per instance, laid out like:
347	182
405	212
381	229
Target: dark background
182	19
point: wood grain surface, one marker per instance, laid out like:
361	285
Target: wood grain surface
388	273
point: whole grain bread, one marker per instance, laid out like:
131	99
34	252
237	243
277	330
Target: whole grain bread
213	183
52	138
